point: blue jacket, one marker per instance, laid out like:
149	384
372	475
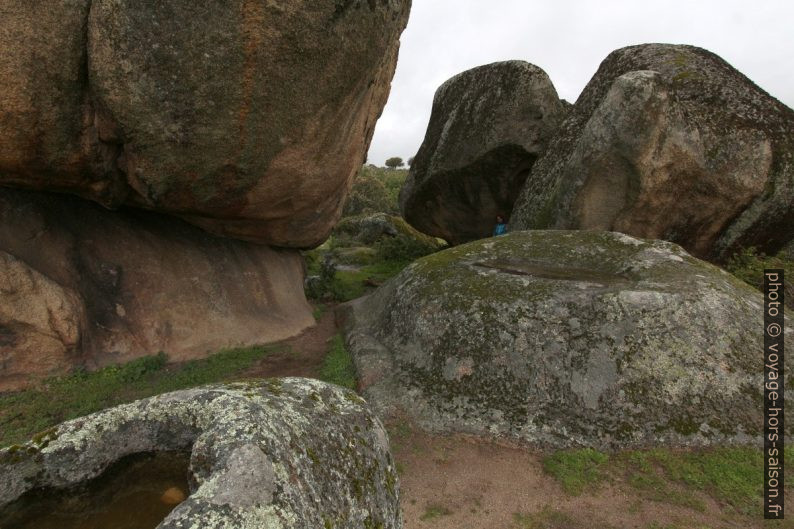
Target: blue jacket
500	229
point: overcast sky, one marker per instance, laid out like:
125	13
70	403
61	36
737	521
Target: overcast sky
569	39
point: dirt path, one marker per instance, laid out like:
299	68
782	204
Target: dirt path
455	482
301	356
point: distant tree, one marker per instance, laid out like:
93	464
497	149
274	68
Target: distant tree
394	162
411	161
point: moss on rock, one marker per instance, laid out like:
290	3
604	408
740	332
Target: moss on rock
275	453
568	339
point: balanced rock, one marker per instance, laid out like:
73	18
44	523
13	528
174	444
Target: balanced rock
81	286
566	338
248	118
669	142
487	127
276	453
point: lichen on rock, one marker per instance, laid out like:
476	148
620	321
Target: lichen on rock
669	142
565	339
487	127
279	453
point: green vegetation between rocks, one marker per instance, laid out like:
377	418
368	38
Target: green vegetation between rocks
576	470
370	244
375	190
345	284
338	366
748	265
729	475
62	398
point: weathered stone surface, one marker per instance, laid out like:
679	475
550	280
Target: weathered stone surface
369	229
84	286
40	324
276	453
669	142
566	338
487	127
248	118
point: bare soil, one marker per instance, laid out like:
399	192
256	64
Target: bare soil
460	482
457	482
300	356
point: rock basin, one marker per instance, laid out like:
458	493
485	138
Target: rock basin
276	453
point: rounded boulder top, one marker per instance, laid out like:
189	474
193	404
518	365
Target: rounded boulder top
487	127
564	339
248	118
669	142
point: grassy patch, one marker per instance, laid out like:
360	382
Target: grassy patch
67	397
338	366
345	285
576	470
433	511
729	475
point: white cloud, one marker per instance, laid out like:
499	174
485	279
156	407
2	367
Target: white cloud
568	39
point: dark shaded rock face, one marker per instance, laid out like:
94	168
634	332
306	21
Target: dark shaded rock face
669	142
275	454
248	118
487	128
84	286
566	338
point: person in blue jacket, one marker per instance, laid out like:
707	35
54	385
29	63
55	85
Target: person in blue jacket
501	226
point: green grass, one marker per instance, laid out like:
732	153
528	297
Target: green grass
433	511
318	310
338	366
748	265
577	470
62	398
350	284
729	475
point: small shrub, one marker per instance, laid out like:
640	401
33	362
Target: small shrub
368	195
321	286
402	248
375	190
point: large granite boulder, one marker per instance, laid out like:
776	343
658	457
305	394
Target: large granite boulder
669	142
81	286
566	338
276	453
487	127
249	118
